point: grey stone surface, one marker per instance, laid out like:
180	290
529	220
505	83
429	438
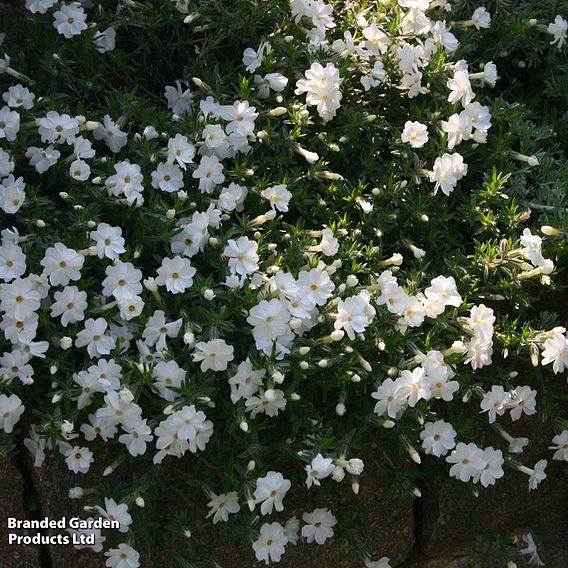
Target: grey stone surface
452	516
12	505
52	482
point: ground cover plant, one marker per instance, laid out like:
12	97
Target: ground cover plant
244	244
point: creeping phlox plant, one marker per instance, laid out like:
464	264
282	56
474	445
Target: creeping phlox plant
266	270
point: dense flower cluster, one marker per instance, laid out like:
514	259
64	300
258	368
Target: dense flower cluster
187	298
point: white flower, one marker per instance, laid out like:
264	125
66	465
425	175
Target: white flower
270	491
319	525
39	6
479	116
180	151
242	255
322	88
415	134
79	170
413	386
246	382
176	274
167	177
376	76
278	196
537	475
495	402
390	403
223	505
9	123
481	18
130	307
19	299
62	264
272	81
94	338
122	280
157	330
179	101
12	194
376	40
318	469
70	304
531	550
6	164
105	41
70	20
252	59
460	87
493	468
11	408
442	36
383	562
209	173
558	29
215	354
241	117
560	442
122	557
271	543
523	400
109	131
19	96
315	286
270	319
82	148
448	170
232	197
354	314
114	511
270	402
458	127
78	459
532	247
444	290
168	375
55	127
108	240
329	245
136	437
291	529
438	438
467	460
127	181
481	320
12	261
479	352
556	352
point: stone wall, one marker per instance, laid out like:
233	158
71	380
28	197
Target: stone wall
439	530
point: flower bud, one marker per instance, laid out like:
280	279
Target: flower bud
550	231
208	294
337	335
340	409
76	492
